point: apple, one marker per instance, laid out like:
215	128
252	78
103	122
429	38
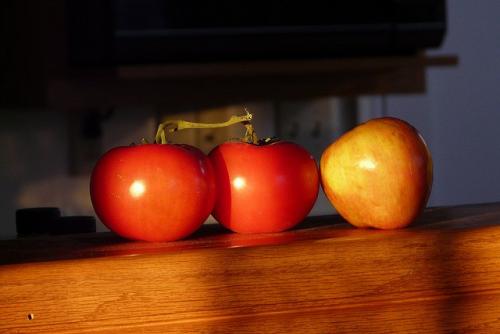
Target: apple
379	174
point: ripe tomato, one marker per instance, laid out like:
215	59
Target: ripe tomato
263	188
153	192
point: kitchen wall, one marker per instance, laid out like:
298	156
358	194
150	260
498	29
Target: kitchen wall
47	156
460	114
35	160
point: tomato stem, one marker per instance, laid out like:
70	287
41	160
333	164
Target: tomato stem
170	126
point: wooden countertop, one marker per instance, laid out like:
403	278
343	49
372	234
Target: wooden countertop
440	275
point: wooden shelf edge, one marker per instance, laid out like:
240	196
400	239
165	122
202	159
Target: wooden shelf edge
282	67
442	60
464	219
440	275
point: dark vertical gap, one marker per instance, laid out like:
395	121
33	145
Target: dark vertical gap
72	120
349	112
277	119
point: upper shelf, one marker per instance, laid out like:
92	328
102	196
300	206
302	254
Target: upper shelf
201	85
37	74
285	67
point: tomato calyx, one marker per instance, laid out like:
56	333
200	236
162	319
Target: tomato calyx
260	142
143	141
269	140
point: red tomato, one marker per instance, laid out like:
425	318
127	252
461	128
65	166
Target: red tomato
153	192
263	188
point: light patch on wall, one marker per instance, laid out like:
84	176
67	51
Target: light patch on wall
71	194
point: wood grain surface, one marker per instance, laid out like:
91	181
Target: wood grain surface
441	275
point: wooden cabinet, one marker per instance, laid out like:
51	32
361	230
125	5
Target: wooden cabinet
440	275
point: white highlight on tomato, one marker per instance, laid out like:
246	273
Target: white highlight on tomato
367	163
137	188
239	182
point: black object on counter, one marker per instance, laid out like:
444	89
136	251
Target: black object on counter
33	221
48	220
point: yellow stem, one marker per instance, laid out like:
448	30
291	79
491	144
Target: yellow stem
176	125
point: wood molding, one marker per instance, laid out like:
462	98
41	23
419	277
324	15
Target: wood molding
441	275
284	67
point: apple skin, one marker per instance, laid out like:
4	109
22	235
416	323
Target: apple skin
379	174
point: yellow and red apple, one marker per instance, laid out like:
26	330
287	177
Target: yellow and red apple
379	174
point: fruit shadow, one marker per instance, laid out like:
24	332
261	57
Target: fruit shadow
457	247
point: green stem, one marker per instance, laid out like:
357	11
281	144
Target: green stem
170	126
